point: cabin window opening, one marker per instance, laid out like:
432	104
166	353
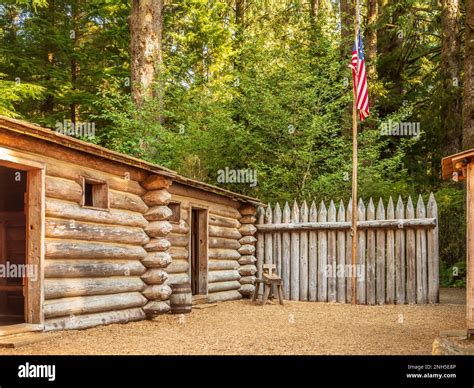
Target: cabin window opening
176	209
95	194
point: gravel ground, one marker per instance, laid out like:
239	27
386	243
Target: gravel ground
241	327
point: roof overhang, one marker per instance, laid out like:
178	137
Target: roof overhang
456	164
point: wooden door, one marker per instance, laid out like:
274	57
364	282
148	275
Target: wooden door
199	244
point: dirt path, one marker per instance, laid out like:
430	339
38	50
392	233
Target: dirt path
296	328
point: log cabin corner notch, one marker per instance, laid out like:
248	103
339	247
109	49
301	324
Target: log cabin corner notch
461	167
114	261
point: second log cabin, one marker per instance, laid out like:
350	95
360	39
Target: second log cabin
89	236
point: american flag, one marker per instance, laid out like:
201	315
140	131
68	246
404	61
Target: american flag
359	76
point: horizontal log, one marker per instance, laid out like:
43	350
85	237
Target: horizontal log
225	243
247	249
248	220
377	224
158	228
178	253
92	268
180	228
222	276
78	249
154	308
223	221
72	211
178	240
156	182
217	265
154	276
247	259
247	289
92	304
248	240
157	292
159	244
158	213
157	197
223	254
127	201
248	279
157	260
70	229
220	231
248	210
248	270
62	288
247	230
61	188
224	296
178	266
125	181
177	278
223	286
91	320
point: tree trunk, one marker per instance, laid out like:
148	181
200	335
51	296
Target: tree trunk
451	119
75	67
347	28
314	10
371	38
146	27
468	100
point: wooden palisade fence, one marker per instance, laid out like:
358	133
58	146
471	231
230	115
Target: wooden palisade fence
397	261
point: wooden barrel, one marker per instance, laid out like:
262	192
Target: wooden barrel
181	299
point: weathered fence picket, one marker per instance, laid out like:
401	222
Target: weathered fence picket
397	257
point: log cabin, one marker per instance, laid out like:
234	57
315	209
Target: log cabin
460	167
89	236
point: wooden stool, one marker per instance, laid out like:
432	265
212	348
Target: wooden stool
269	280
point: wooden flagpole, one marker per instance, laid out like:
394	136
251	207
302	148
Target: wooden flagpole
354	166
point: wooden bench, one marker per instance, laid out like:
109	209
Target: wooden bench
269	280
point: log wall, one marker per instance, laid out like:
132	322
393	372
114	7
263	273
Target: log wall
231	245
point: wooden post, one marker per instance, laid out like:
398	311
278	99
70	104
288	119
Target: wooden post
390	289
322	256
277	247
304	255
332	263
313	256
361	263
295	254
370	265
341	257
411	257
354	165
286	257
349	264
421	264
400	255
380	267
433	253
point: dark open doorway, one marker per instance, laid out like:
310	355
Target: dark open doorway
13	188
199	232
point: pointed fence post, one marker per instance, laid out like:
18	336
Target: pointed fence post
421	255
371	252
332	259
260	246
322	256
295	255
361	264
286	242
380	260
304	217
341	257
390	288
348	271
400	254
411	256
313	256
433	252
